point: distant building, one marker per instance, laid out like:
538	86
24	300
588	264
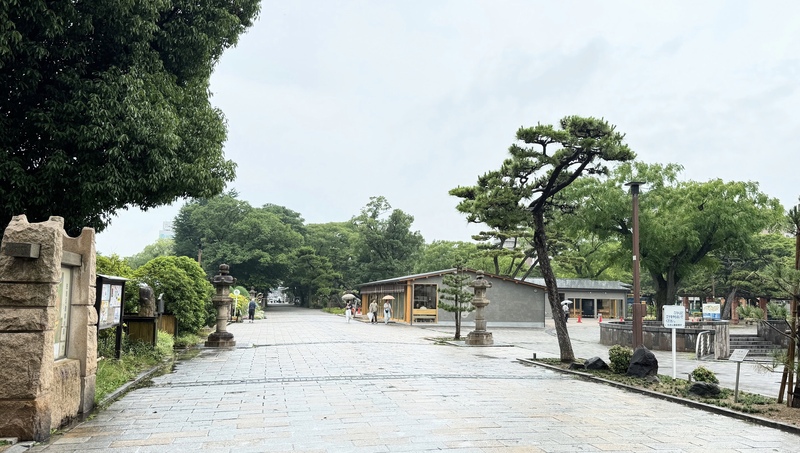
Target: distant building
166	231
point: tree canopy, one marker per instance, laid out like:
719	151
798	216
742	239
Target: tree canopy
681	222
386	246
104	105
253	241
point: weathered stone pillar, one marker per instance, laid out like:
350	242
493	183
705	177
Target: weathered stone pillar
480	337
222	301
46	384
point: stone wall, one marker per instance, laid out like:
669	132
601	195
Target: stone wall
659	338
37	392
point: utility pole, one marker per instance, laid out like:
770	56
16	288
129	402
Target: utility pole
638	308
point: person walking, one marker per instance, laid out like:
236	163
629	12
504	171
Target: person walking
251	310
387	312
565	307
348	311
373	311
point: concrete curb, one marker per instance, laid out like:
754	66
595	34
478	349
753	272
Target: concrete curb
686	402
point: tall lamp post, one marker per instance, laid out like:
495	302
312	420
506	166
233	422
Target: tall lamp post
638	308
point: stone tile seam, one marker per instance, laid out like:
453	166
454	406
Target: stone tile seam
372	377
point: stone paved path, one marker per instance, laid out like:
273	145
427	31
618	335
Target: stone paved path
306	381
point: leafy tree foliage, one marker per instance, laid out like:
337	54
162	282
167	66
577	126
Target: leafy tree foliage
680	222
254	242
441	255
336	241
187	292
162	247
386	245
104	105
113	265
543	162
311	278
455	297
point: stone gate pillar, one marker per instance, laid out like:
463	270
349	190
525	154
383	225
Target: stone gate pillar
48	327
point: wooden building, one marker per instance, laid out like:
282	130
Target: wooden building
513	302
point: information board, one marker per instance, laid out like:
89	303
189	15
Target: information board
109	301
674	316
711	311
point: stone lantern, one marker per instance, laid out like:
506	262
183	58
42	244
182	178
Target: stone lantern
222	282
479	336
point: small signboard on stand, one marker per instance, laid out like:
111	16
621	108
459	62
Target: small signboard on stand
674	317
737	356
110	303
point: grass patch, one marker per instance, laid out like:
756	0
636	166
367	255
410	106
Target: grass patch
135	357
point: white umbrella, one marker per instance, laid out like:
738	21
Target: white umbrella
566	302
388	297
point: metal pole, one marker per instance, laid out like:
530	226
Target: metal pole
638	308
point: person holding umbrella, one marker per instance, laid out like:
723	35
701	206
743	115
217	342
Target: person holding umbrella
565	307
387	308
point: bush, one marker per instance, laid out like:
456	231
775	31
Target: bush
750	313
619	358
777	311
702	374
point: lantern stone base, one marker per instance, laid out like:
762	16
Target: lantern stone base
220	340
479	339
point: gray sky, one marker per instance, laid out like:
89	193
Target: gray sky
331	102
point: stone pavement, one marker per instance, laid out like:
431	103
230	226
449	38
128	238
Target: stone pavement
306	381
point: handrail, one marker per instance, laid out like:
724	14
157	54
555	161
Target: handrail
704	346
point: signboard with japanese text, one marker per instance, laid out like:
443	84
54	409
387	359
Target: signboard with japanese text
674	316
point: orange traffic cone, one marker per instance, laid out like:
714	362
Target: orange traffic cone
601	318
579	318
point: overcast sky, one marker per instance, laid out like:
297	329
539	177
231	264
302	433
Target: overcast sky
331	102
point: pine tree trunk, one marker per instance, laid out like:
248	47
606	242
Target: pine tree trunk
540	244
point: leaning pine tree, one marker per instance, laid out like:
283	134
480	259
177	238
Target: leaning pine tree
455	297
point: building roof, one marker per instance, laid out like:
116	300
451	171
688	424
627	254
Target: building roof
585	284
407	278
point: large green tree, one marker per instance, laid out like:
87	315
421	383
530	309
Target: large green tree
104	105
162	247
681	222
312	278
543	161
386	245
336	241
254	242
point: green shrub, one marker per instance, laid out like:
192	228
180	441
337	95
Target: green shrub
749	312
777	311
703	374
620	358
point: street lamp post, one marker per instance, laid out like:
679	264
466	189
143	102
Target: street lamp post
638	308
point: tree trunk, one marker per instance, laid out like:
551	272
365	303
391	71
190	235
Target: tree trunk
458	320
666	290
727	310
540	244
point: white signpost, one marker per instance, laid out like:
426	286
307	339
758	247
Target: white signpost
674	318
737	356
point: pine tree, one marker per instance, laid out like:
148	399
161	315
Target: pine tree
455	296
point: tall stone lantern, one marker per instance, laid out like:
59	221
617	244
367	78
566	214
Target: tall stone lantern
222	282
479	336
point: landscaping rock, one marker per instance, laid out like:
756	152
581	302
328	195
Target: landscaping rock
704	389
643	363
595	363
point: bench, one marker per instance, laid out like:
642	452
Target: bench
424	315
